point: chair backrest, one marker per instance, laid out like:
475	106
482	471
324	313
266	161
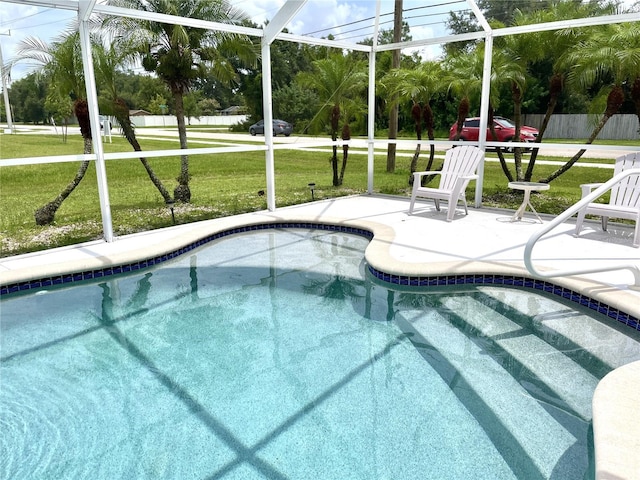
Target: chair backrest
459	161
627	192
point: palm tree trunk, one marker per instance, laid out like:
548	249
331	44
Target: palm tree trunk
427	115
494	136
122	115
555	88
393	112
414	161
416	114
335	117
463	113
182	192
345	155
578	155
45	215
503	162
334	161
614	102
346	136
517	118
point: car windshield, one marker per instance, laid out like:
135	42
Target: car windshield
505	122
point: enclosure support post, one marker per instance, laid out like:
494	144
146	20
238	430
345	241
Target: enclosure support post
484	113
371	103
92	101
268	128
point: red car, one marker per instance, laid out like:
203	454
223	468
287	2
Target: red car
505	130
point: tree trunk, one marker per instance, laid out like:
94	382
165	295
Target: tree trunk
346	136
614	102
463	113
416	114
182	192
395	64
556	84
414	161
121	111
45	215
335	117
494	137
517	118
427	115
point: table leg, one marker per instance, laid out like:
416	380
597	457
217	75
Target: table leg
520	211
526	202
534	211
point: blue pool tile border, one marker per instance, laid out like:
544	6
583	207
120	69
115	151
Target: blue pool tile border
403	280
511	281
69	278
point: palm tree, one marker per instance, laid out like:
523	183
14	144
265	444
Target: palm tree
61	61
465	74
517	52
555	45
108	60
180	55
417	85
339	81
611	56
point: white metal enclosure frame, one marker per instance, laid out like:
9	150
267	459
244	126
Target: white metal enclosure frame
273	31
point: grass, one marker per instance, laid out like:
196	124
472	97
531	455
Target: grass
221	185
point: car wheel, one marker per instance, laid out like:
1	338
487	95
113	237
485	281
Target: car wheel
509	149
252	131
287	134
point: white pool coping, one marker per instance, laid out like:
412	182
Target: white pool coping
424	244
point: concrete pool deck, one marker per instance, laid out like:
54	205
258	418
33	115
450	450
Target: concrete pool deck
423	244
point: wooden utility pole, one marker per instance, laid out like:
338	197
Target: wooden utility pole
395	63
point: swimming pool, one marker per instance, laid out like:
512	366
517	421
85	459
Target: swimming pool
275	355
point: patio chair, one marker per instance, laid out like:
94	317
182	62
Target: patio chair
624	201
460	164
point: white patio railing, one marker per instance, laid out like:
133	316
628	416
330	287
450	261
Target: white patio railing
605	187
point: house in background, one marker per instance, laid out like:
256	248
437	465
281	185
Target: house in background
234	110
138	113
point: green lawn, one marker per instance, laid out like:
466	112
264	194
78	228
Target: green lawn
221	185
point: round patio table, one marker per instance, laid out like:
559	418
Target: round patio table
527	188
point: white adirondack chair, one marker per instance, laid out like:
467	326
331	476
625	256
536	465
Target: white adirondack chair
624	201
458	170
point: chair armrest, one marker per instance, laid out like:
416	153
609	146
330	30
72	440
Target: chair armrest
430	172
587	188
463	180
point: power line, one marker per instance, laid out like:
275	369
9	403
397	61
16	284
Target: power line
347	24
66	20
19	19
442	4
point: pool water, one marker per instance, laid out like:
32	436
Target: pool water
273	355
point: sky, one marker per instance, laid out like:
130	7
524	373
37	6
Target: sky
348	20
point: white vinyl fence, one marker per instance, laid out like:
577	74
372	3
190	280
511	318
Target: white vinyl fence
580	126
171	121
